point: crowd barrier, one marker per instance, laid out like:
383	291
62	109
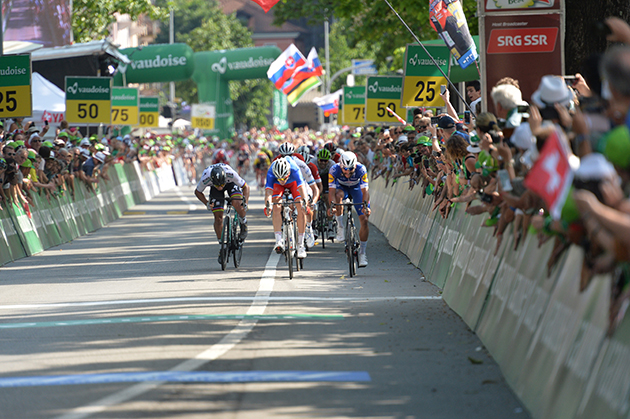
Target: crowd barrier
61	218
548	337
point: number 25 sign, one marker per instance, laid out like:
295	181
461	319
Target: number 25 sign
88	100
15	86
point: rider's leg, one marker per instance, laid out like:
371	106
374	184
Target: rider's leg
218	223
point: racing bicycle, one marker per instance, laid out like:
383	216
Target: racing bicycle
231	243
323	226
290	234
353	244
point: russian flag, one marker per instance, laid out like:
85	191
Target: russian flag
312	68
329	103
285	65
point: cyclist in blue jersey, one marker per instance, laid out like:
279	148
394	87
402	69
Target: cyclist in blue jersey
349	179
285	174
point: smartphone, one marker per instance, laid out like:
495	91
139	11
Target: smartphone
522	109
442	88
46	122
570	80
434	120
504	178
466	117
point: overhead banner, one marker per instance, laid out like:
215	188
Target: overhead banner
354	105
15	86
88	100
448	20
422	79
383	92
499	5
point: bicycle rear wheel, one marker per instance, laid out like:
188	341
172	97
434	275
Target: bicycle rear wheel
321	224
350	248
295	247
237	246
225	243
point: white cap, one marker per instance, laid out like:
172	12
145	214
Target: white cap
100	157
84	141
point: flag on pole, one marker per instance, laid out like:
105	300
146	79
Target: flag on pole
329	103
294	96
311	68
285	65
266	4
448	20
551	176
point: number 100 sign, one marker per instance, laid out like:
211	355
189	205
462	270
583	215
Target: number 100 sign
88	100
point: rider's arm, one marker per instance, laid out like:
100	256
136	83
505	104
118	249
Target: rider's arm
200	196
245	193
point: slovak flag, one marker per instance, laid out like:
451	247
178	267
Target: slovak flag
552	175
285	65
329	103
312	68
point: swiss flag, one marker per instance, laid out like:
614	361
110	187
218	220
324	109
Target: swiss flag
551	175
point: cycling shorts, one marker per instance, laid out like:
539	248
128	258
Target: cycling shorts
217	197
357	197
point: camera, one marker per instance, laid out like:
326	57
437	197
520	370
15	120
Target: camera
442	89
549	112
467	117
570	80
522	109
486	198
434	120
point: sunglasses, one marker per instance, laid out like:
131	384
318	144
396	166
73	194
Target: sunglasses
283	179
322	161
10	154
36	141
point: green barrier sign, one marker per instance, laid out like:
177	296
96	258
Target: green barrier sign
354	105
383	92
422	79
149	112
124	106
88	100
15	86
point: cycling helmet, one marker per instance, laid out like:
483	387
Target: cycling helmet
329	146
323	154
348	160
303	151
281	168
286	149
217	175
311	159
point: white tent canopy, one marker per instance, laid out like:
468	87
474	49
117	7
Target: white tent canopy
49	101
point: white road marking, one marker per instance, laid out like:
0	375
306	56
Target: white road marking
190	202
258	306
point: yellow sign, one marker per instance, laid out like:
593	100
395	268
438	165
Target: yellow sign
124	115
149	119
354	114
422	91
203	123
88	111
376	111
15	101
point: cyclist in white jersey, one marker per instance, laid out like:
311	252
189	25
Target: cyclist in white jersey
221	178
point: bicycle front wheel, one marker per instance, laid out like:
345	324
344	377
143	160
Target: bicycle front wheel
237	246
350	248
295	246
225	243
288	247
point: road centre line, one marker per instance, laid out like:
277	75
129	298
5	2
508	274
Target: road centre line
172	318
225	377
236	335
215	299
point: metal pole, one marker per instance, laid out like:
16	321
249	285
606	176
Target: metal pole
327	52
171	40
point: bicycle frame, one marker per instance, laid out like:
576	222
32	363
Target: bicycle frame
352	244
289	232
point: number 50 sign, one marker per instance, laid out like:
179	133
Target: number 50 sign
88	100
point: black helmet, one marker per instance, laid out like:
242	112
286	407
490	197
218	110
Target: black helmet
217	175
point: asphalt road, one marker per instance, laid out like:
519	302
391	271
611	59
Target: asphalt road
137	320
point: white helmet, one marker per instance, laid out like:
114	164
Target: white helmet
281	168
286	149
348	160
303	151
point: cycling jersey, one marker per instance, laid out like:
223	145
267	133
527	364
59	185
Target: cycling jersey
304	168
323	173
293	183
352	186
231	176
262	161
357	180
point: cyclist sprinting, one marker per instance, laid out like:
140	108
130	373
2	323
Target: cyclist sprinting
287	150
261	166
221	178
324	164
285	174
349	179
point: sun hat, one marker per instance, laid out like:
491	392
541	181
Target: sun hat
85	153
474	145
402	139
26	163
100	156
617	146
552	89
84	142
522	137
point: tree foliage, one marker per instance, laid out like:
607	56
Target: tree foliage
204	27
91	19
